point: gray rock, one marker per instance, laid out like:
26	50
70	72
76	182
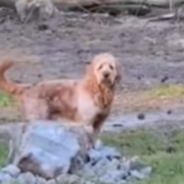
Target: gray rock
138	170
116	170
12	170
87	172
6	178
77	164
104	166
115	176
137	175
135	164
40	180
52	181
98	144
146	171
48	148
100	168
26	178
125	165
68	179
114	164
123	181
104	152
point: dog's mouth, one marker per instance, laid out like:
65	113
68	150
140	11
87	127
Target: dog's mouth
107	82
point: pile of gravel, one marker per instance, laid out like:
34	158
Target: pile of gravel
105	165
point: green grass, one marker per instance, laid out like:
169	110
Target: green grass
165	153
3	153
5	100
167	91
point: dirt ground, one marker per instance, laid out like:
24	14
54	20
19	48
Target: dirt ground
151	53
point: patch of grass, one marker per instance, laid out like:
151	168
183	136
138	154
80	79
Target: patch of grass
167	91
136	142
153	99
3	153
6	100
167	169
164	153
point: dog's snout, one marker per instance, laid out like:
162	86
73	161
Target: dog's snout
106	74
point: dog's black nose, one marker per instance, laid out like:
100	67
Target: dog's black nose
106	74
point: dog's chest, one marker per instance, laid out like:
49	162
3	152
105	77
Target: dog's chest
87	109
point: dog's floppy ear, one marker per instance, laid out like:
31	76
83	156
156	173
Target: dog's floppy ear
89	67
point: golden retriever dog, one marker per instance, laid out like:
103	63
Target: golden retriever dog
87	100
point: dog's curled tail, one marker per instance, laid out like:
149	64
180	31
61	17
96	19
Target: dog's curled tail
5	84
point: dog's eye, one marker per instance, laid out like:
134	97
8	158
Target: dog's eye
100	67
111	67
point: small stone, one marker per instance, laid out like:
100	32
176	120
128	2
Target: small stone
114	176
164	79
77	165
136	165
43	27
12	170
137	175
112	165
135	159
68	178
125	165
52	181
100	168
26	178
87	182
169	111
117	125
98	144
40	180
141	116
146	171
104	152
122	181
87	172
139	77
130	179
6	178
39	75
105	165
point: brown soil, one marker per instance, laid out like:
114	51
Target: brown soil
151	54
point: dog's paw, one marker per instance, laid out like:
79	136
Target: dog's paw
34	9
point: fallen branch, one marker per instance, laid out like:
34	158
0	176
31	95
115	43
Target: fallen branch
115	9
47	8
176	15
161	3
164	17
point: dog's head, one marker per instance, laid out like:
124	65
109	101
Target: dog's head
105	69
